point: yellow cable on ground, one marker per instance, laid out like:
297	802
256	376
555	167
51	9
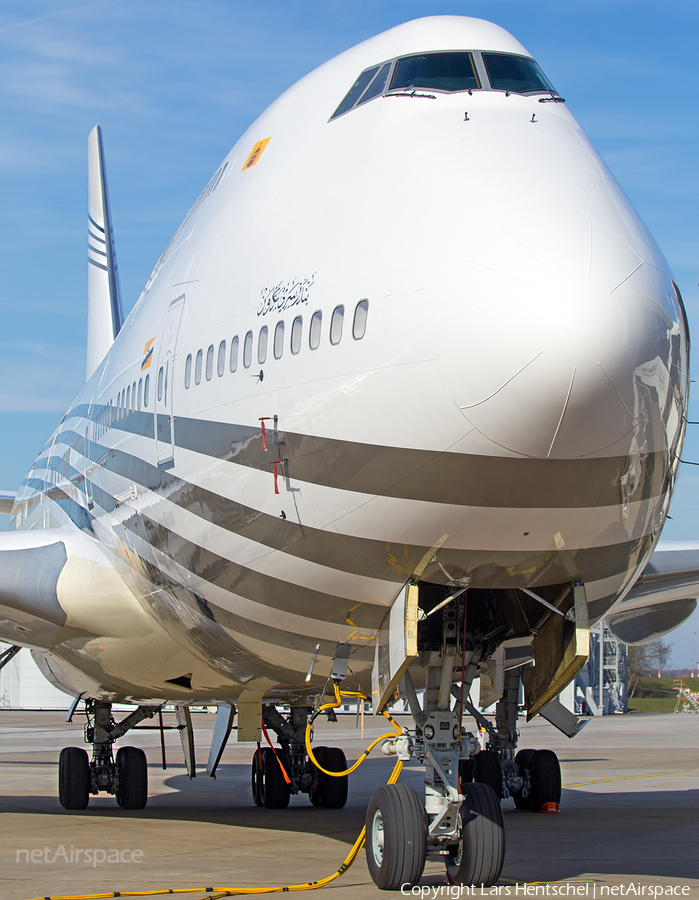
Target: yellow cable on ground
216	893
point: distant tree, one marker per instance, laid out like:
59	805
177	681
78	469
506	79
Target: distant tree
646	659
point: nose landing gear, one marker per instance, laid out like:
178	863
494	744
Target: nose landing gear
459	823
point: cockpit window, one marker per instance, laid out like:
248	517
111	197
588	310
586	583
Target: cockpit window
377	85
516	73
356	91
447	71
438	71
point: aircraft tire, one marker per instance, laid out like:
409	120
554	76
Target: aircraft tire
545	771
314	793
396	837
479	857
73	778
275	791
465	771
257	770
487	770
132	771
523	759
327	791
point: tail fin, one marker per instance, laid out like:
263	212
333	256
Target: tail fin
103	304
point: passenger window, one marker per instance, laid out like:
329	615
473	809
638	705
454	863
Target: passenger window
360	317
146	391
188	371
234	354
279	340
209	362
140	383
198	366
247	350
161	376
262	345
133	396
296	327
221	362
128	400
314	332
338	318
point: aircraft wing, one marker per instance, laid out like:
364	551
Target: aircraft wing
7	501
30	565
663	597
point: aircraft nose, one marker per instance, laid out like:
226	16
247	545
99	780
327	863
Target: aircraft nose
591	365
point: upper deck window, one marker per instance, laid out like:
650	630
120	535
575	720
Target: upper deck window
518	74
436	71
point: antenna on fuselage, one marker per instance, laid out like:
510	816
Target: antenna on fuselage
103	303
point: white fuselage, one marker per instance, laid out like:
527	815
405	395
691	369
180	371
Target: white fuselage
511	415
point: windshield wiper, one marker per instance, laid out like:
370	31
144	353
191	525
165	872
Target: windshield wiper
410	94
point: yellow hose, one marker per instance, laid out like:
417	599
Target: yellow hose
338	701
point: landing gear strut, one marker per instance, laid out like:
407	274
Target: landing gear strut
126	776
460	822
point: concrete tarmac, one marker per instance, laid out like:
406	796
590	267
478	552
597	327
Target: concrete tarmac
628	826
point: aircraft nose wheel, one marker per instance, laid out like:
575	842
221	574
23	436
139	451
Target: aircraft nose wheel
478	857
396	837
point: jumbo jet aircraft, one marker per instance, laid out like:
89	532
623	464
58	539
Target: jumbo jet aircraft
400	405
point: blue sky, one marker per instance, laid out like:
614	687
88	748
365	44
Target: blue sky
173	84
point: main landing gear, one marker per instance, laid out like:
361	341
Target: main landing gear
531	777
125	776
279	772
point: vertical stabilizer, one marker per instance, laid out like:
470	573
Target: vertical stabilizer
103	304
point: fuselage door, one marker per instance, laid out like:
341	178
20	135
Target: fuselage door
164	386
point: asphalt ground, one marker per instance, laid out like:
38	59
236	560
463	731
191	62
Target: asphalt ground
628	826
